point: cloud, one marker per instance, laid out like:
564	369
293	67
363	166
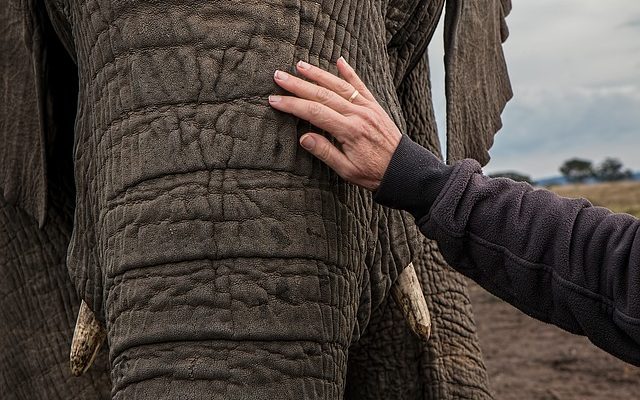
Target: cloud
542	128
632	24
578	43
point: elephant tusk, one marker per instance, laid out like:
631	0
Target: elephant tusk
87	339
407	293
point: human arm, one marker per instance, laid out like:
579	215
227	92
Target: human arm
560	260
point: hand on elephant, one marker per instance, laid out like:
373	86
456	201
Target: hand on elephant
367	135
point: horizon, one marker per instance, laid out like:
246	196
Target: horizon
634	177
635	174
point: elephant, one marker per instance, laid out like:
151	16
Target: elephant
143	173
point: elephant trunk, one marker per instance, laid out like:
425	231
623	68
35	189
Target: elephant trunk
232	329
223	259
89	333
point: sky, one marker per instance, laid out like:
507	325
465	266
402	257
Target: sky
575	71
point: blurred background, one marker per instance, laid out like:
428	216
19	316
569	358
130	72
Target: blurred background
575	71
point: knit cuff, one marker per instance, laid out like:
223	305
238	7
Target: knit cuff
413	179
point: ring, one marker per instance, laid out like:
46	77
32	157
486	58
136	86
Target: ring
354	95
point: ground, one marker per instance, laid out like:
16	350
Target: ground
527	359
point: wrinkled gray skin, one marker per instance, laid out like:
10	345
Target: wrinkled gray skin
225	261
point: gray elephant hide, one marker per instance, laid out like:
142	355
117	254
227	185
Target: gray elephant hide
222	258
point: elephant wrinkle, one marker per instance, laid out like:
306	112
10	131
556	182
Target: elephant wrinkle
174	202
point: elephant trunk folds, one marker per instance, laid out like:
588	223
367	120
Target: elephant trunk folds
89	333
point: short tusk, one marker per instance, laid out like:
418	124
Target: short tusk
407	293
87	339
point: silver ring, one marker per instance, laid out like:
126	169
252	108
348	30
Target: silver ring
354	95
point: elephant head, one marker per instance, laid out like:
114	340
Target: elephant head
222	260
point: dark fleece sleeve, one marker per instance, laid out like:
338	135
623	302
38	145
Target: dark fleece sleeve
559	260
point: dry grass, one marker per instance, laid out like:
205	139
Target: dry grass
617	196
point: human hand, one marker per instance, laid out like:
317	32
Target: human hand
367	135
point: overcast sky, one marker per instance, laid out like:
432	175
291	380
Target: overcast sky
575	71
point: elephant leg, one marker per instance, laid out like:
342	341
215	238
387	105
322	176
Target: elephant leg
390	362
39	305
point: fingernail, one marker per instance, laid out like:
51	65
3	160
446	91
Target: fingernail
274	98
307	142
280	75
303	65
343	60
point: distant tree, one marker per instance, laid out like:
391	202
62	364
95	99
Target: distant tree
577	170
516	176
611	170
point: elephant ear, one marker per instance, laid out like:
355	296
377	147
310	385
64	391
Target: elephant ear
476	83
30	50
22	149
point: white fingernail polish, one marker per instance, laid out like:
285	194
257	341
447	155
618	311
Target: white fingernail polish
281	75
303	65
